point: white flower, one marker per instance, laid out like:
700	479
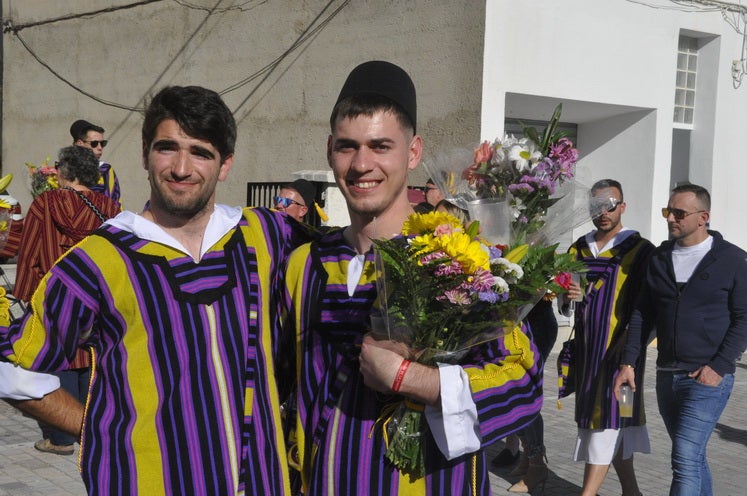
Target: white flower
500	284
524	154
511	271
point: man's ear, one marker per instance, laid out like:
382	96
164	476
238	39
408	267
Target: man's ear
225	168
145	156
705	218
329	150
415	152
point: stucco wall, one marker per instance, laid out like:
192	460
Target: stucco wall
282	113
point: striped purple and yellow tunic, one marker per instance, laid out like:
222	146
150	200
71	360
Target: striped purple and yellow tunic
614	281
341	447
183	395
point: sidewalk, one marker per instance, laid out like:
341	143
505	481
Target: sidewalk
726	449
27	472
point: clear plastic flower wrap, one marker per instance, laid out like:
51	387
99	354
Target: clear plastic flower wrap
527	182
443	290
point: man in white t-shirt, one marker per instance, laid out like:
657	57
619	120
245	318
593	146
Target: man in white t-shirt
695	295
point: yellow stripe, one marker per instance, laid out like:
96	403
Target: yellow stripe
512	367
141	378
225	404
254	236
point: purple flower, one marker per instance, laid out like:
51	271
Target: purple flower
521	188
563	151
488	296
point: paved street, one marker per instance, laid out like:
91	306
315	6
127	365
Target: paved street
25	471
726	449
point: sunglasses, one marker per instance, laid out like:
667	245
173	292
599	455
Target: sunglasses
96	143
285	202
600	206
677	213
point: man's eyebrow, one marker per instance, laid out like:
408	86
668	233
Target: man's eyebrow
201	150
163	142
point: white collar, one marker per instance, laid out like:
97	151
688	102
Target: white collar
222	220
621	236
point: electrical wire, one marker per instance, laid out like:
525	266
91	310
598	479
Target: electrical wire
735	15
8	26
308	33
240	7
311	31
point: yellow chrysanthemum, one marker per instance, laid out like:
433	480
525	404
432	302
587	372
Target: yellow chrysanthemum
427	223
4	204
460	247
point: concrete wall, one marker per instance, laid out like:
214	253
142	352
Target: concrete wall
613	64
282	112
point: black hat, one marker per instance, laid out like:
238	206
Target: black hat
384	79
81	127
305	189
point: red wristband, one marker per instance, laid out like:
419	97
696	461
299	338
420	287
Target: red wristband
400	375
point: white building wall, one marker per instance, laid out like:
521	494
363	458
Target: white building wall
613	64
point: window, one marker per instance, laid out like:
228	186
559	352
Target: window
687	64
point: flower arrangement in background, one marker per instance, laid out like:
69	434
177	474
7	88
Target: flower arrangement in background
530	174
532	169
5	220
443	290
42	177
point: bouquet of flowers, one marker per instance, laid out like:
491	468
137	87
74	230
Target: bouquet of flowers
42	178
518	180
5	220
443	290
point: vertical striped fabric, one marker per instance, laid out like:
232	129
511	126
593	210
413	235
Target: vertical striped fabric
614	279
183	397
108	184
56	220
341	449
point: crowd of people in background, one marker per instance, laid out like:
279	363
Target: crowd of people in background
190	328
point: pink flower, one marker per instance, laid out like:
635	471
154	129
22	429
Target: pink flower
482	281
443	229
563	151
563	280
457	297
483	153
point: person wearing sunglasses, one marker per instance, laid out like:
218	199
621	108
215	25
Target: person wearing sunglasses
91	136
295	198
616	258
695	295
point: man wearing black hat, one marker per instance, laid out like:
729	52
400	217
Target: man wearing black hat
347	381
296	198
91	136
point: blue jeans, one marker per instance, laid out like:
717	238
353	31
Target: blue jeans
690	411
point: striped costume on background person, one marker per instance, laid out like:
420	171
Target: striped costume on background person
341	450
108	184
183	397
614	280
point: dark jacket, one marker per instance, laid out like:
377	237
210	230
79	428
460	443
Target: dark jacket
704	322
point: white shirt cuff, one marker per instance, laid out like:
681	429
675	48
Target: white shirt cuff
455	426
17	383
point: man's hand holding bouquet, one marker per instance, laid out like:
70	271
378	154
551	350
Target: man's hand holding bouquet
443	290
